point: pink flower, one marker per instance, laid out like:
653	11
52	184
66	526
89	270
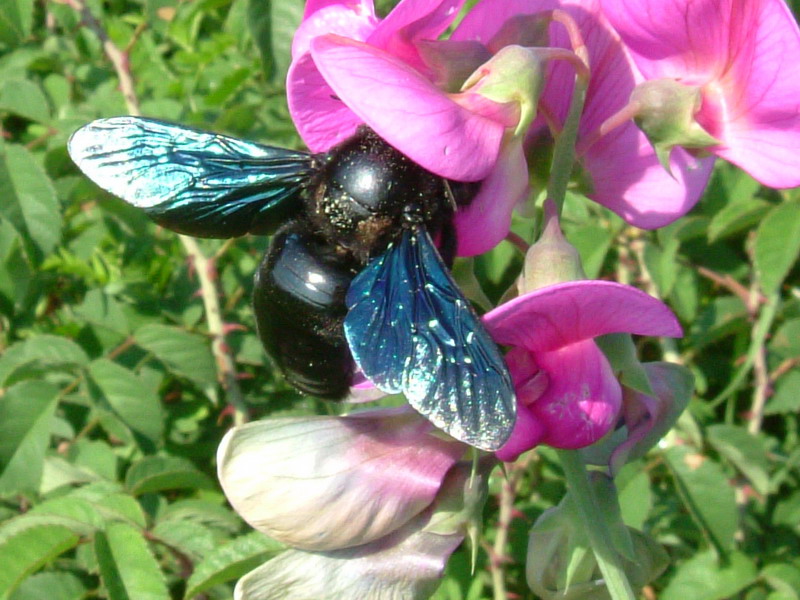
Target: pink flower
361	476
624	172
567	394
373	503
648	418
350	68
742	54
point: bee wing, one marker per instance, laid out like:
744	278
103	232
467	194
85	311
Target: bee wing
412	331
191	181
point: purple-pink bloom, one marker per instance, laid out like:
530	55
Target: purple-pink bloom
351	68
625	174
362	476
567	394
648	418
742	54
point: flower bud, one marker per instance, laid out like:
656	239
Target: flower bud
552	259
512	76
325	483
559	566
665	111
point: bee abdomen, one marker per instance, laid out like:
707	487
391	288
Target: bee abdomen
299	308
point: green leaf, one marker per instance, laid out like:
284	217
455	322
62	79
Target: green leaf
28	550
785	342
786	400
29	201
635	495
662	263
747	453
156	473
103	309
592	243
193	539
272	25
136	404
684	298
787	511
16	19
58	472
706	493
777	245
621	353
76	514
26	416
736	216
201	511
41	352
260	22
51	585
24	98
127	568
187	354
785	579
231	561
702	577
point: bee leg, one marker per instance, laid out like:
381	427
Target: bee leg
448	243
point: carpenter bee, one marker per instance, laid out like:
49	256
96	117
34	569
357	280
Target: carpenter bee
352	280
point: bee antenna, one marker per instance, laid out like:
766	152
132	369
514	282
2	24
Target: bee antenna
448	191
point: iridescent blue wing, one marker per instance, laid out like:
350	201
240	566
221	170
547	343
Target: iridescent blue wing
191	181
412	331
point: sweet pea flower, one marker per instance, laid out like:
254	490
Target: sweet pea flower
646	418
623	170
742	57
350	68
567	394
407	562
323	483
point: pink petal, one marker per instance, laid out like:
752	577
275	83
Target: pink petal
320	117
359	477
528	433
583	397
487	220
529	385
486	18
360	7
558	315
408	111
647	418
756	105
407	563
337	18
627	178
413	20
625	174
743	54
688	41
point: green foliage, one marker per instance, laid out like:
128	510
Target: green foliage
111	401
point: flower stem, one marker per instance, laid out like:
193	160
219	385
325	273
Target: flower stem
564	149
589	510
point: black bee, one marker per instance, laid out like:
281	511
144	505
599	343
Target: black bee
352	278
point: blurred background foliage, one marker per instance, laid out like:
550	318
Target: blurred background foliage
113	400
